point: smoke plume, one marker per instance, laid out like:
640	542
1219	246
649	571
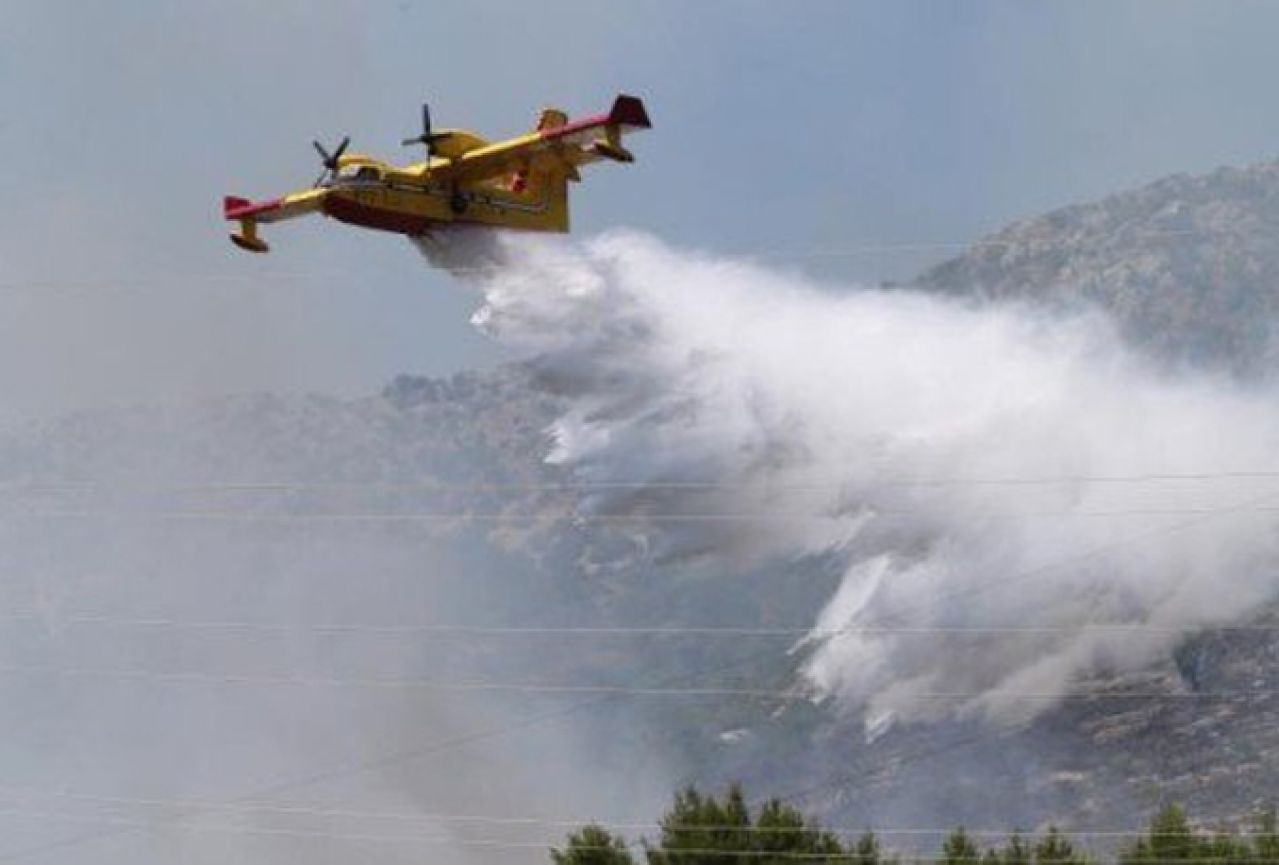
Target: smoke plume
1019	500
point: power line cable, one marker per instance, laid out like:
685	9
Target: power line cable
260	278
246	516
408	838
411	684
396	759
655	484
271	809
468	630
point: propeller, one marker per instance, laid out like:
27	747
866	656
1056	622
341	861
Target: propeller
427	139
330	160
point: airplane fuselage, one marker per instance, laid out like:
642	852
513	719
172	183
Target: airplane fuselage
416	208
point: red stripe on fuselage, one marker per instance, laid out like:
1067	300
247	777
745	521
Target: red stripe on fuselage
354	213
575	126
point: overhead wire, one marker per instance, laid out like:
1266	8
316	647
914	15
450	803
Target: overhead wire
39	484
244	515
269	809
747	256
52	619
497	843
32	487
662	630
570	688
397	759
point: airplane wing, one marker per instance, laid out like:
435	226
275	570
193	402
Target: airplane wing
276	210
250	213
576	142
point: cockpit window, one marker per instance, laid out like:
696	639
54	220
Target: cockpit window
360	172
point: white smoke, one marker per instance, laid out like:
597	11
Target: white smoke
996	478
162	648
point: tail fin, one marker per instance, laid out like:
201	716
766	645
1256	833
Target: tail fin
629	111
232	203
626	115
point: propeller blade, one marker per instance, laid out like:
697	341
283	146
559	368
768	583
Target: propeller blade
330	160
427	139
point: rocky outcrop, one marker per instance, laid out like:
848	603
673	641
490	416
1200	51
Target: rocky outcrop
1188	266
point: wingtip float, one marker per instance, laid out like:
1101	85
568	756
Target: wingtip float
519	183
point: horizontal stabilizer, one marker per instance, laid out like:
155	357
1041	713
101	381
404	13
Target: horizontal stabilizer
234	207
250	243
615	152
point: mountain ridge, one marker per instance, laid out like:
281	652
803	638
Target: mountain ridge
1188	265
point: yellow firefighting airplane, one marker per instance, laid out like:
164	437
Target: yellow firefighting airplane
519	183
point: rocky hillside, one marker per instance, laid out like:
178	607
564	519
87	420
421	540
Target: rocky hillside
1189	268
1201	729
1189	265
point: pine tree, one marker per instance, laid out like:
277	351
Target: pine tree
593	845
702	829
867	851
1016	851
960	849
1056	849
780	828
1265	841
1170	838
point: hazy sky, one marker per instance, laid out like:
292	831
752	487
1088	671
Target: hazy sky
780	127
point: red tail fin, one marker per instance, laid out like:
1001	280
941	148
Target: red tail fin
231	204
629	111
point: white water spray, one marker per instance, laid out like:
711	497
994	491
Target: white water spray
1006	486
